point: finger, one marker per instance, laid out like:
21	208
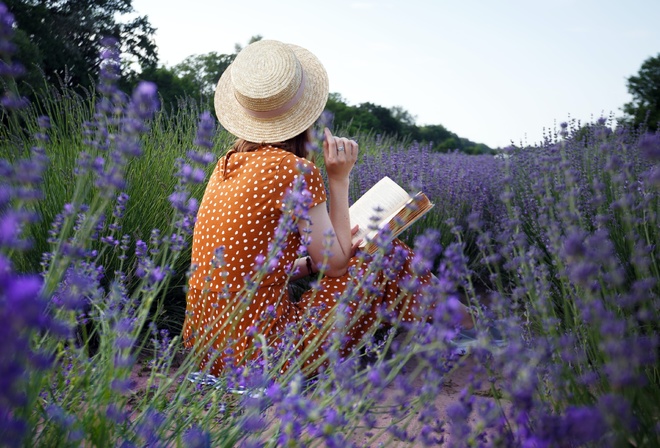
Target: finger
354	145
343	146
329	145
355	229
328	135
329	140
338	152
354	149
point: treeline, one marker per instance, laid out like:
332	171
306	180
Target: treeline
398	122
195	79
58	43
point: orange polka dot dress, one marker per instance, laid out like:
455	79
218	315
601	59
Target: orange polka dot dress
236	221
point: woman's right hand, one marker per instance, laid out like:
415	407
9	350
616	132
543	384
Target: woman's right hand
340	155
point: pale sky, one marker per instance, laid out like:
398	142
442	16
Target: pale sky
492	71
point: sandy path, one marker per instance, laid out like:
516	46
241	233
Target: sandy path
454	383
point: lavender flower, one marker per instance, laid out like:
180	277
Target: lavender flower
195	437
649	144
118	123
10	100
205	133
23	314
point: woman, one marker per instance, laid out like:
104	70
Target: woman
269	98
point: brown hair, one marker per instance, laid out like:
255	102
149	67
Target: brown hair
296	145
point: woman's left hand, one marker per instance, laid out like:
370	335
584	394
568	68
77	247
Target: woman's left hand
356	245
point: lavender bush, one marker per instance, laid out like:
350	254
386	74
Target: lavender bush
577	265
463	188
101	190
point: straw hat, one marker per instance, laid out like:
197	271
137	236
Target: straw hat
271	92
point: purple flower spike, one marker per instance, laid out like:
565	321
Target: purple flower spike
196	437
205	130
9	230
145	100
650	146
110	66
11	101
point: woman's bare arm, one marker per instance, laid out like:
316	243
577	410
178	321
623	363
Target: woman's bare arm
331	230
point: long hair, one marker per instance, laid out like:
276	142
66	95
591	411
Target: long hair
296	145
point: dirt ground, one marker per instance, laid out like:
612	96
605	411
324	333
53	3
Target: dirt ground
454	383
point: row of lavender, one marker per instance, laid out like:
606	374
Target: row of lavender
562	239
463	188
75	320
576	258
567	235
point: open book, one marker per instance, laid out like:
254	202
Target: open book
391	205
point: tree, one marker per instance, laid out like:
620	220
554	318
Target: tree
396	121
173	90
29	56
403	116
435	133
64	37
204	70
645	90
386	123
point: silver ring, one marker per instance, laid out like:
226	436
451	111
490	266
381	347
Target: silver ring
341	148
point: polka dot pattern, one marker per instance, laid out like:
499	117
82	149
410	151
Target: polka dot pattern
239	213
389	297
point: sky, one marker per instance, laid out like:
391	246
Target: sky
498	72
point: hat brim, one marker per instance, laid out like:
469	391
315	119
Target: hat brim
299	118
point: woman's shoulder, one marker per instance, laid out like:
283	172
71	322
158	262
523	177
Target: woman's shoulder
289	160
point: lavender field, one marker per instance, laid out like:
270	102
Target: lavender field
557	243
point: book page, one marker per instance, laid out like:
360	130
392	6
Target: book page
413	210
386	195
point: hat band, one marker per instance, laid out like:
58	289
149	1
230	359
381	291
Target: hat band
283	108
